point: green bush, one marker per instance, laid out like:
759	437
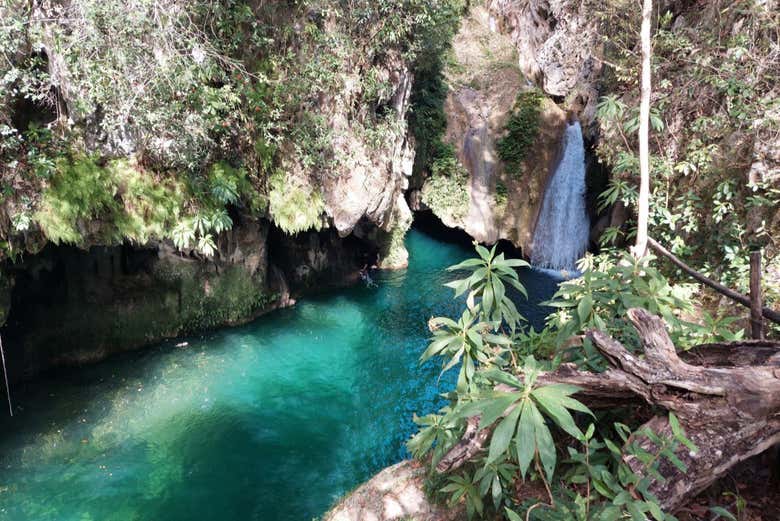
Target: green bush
498	381
502	193
447	195
294	208
81	191
520	131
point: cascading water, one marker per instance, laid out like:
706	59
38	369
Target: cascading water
563	229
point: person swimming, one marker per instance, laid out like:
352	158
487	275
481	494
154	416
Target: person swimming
366	277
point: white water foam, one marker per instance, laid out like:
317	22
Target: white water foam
563	229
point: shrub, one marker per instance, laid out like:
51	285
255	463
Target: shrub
81	191
446	195
294	208
520	131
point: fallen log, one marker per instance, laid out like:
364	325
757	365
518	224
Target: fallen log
726	397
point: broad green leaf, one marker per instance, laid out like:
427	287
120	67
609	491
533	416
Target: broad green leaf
722	512
635	511
611	513
516	263
501	340
544	442
655	510
493	409
460	286
469	263
502	435
483	252
525	440
444	321
512	516
550	402
584	308
497	375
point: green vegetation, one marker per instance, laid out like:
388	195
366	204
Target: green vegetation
445	192
427	120
712	114
228	94
502	193
520	131
129	202
295	208
498	381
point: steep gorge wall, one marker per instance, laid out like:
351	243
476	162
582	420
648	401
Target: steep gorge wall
276	164
486	88
559	49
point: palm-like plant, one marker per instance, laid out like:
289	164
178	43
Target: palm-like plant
466	340
487	286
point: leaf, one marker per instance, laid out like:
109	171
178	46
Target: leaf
502	435
469	263
460	286
636	513
655	510
525	440
722	512
499	290
501	340
679	433
496	491
512	515
550	402
487	298
497	375
482	251
493	409
435	347
544	442
516	263
611	513
444	321
584	308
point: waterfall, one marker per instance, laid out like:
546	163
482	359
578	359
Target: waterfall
563	229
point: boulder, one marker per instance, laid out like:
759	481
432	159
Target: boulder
395	494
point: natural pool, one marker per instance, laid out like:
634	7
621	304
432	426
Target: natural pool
272	421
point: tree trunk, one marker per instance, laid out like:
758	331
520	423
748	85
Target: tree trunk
643	210
726	396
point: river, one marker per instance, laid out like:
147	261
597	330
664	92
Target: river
272	421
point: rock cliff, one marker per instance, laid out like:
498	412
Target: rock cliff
485	86
212	175
559	49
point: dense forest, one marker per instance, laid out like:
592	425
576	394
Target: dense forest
171	167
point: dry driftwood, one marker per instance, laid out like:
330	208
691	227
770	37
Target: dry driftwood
726	396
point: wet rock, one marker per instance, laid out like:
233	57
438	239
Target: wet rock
72	306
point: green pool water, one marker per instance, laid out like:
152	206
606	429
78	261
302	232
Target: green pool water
272	421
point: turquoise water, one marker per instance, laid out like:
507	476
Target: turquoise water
272	421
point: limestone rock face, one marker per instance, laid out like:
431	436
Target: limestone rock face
370	157
558	48
370	174
395	494
483	88
71	306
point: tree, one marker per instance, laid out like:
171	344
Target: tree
643	204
